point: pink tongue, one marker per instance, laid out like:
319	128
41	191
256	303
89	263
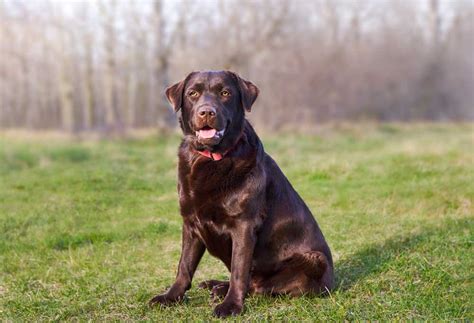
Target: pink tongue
207	133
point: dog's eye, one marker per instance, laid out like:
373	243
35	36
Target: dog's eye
225	93
193	94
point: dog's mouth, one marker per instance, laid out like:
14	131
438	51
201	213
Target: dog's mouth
208	132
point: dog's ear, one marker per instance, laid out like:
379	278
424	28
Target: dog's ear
248	92
175	93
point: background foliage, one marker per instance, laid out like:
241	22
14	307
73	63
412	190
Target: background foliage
103	65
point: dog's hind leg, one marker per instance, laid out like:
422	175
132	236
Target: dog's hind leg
218	288
302	273
313	263
315	266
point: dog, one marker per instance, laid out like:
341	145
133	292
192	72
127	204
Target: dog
236	203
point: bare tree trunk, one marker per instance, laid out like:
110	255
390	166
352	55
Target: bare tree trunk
113	120
435	23
160	112
65	96
89	104
88	84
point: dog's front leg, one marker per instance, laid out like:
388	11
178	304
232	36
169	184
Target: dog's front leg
243	244
191	252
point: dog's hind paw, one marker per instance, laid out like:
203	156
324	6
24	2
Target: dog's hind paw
220	290
209	284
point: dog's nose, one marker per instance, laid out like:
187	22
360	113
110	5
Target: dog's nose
206	111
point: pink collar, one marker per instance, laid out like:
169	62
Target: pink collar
217	156
213	156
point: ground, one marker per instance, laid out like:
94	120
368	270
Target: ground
90	230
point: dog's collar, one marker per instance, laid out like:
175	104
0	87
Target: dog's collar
213	156
217	156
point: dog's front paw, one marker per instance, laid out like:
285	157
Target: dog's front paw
227	308
165	299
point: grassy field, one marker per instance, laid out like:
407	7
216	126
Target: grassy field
90	230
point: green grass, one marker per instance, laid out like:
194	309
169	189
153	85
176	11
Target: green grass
91	230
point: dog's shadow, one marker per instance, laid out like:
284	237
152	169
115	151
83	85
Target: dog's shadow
375	259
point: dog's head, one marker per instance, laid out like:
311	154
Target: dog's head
213	105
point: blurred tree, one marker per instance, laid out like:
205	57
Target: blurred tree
103	66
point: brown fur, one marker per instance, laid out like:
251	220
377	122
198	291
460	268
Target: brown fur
241	209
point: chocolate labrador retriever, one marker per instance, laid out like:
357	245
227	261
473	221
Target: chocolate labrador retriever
236	203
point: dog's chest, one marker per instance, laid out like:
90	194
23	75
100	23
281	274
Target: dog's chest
214	194
220	207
